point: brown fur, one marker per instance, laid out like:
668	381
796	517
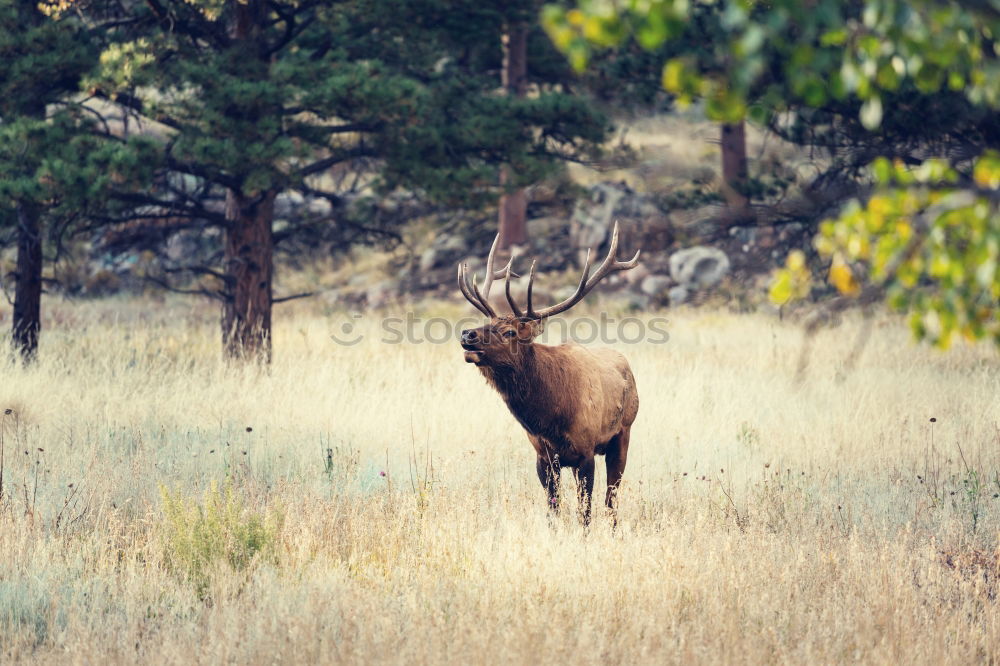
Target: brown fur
573	402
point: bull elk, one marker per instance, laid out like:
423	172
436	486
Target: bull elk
573	402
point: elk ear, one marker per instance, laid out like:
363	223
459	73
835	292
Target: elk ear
528	329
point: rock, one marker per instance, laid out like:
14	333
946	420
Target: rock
654	285
380	294
677	295
292	205
319	207
449	242
593	217
545	227
636	275
699	267
745	235
428	259
287	205
638	215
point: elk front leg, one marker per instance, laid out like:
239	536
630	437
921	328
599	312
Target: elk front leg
547	467
615	458
585	486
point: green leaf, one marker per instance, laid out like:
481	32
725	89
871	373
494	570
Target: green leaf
882	170
653	31
834	37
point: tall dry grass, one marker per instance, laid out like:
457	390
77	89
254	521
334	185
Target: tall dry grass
394	501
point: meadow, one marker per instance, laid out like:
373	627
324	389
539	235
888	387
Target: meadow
376	502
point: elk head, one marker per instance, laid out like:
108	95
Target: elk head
502	341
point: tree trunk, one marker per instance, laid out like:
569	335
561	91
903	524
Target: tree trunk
513	214
514	204
28	290
246	315
27	316
249	244
734	171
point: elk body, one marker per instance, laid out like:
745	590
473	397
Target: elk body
573	402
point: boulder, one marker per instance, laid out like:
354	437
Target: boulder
545	227
677	295
428	259
654	285
699	267
636	275
594	216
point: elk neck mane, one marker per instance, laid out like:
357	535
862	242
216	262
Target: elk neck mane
537	387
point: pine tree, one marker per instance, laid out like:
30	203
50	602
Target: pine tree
258	98
44	61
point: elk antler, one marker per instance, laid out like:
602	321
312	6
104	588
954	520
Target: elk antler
609	265
470	288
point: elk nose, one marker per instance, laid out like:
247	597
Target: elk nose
469	337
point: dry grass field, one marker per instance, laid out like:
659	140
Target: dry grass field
376	503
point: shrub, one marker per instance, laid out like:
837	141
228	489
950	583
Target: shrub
219	534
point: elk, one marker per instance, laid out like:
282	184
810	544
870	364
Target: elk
573	402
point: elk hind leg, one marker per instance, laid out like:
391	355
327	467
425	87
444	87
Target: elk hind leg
585	486
548	473
615	457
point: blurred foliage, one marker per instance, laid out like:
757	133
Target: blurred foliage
931	244
746	57
927	239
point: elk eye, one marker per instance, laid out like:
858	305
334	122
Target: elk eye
508	334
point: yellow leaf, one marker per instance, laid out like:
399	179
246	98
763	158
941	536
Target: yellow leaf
672	76
796	260
903	229
793	281
987	172
593	30
842	278
781	288
879	204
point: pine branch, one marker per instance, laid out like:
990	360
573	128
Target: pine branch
285	299
133	103
326	163
202	270
171	207
201	172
